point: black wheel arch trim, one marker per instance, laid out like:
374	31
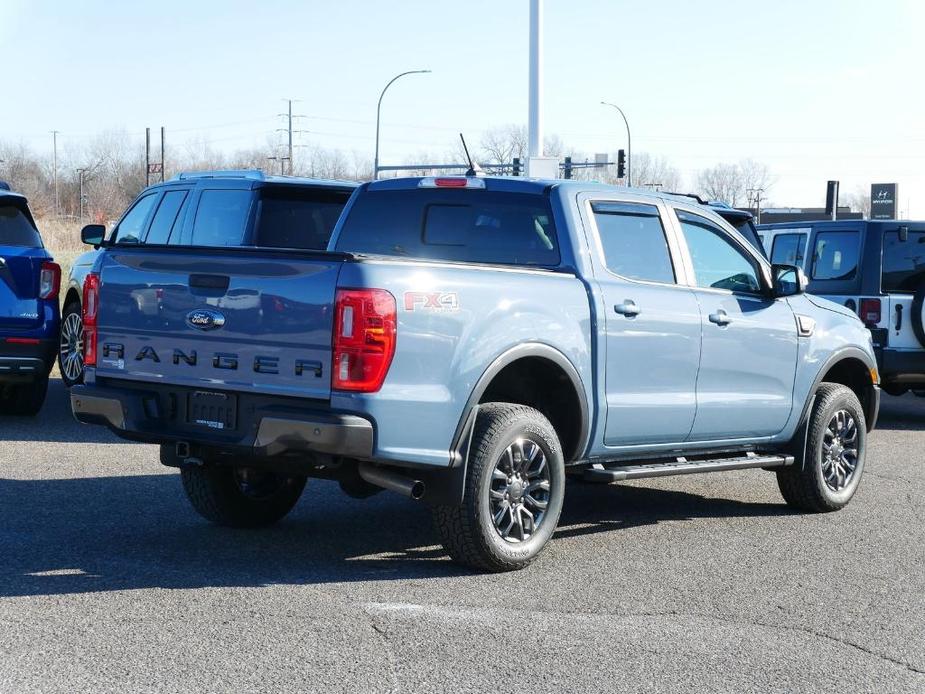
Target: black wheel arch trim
524	350
873	407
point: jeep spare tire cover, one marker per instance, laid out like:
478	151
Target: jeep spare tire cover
917	319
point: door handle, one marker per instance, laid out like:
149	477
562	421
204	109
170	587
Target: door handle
721	318
628	308
899	317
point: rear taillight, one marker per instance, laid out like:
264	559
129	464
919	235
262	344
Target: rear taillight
49	280
364	339
90	310
869	311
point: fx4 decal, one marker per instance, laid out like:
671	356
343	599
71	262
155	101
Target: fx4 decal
432	301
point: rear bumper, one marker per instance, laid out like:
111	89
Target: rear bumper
266	425
23	363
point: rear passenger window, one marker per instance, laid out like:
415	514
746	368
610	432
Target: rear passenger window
165	218
788	249
131	228
16	229
634	241
903	262
298	218
221	218
476	226
835	256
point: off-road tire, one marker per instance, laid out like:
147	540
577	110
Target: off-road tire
466	530
216	495
802	484
24	400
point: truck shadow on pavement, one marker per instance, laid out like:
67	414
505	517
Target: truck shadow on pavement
54	423
905	413
131	532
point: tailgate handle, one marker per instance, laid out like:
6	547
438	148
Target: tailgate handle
209	281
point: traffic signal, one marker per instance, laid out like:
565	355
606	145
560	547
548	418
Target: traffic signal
567	169
621	163
518	167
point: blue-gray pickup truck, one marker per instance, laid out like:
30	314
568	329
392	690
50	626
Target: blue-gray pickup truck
470	342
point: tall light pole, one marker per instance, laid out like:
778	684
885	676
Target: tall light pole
629	144
535	96
379	109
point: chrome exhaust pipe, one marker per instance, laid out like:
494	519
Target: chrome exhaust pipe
392	481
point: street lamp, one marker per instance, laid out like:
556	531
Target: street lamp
629	144
379	108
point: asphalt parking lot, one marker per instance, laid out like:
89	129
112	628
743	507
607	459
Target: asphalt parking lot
110	582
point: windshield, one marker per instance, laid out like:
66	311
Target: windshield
16	229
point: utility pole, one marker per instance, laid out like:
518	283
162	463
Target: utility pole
80	201
54	139
754	194
289	131
162	154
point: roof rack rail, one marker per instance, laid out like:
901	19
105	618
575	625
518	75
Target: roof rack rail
254	174
688	195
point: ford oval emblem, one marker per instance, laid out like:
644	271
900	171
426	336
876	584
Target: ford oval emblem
205	319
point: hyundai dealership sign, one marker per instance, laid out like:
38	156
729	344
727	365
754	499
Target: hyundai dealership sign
883	200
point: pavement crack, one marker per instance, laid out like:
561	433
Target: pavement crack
812	632
726	619
383	634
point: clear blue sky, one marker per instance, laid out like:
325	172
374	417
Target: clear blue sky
814	89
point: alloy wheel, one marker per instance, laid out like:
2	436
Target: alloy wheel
840	450
520	491
71	347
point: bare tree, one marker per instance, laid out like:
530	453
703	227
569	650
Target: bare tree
502	145
859	200
734	183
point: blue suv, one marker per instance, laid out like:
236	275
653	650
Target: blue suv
29	312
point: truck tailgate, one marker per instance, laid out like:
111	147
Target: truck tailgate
239	319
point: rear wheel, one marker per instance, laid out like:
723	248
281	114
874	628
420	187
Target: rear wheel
240	497
24	400
514	487
71	346
835	449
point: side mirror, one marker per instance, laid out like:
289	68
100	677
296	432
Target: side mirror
93	234
789	280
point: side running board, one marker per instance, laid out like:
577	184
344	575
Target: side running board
683	466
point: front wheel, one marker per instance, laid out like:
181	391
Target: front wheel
515	482
836	443
240	497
